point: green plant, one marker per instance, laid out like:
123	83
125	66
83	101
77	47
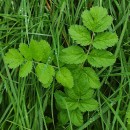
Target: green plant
95	37
78	80
128	115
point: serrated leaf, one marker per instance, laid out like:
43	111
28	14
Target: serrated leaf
25	51
80	34
49	83
60	99
64	77
91	77
98	12
64	102
25	69
87	95
71	93
72	55
97	19
84	101
37	52
45	74
63	117
76	117
88	105
72	104
101	58
105	40
13	58
40	50
80	82
47	53
85	78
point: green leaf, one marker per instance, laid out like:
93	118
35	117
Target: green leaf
63	117
64	77
72	104
91	77
105	40
76	117
80	34
72	55
64	102
36	49
13	58
49	82
85	78
41	51
98	13
60	99
88	105
82	101
71	93
97	19
80	82
45	74
25	51
47	53
87	95
101	58
25	69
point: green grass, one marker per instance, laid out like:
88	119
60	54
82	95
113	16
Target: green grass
24	103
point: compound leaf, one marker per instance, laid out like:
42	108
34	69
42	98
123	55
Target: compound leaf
45	74
72	55
76	117
25	51
97	19
80	34
64	77
101	58
88	105
13	58
25	69
105	40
